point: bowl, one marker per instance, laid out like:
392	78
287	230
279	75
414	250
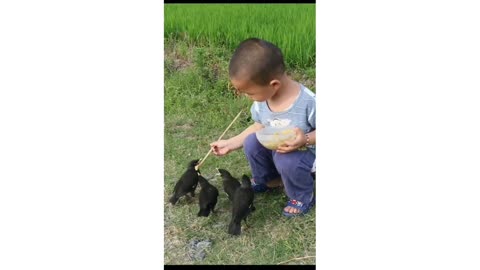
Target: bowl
272	137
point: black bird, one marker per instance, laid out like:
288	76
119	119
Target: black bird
230	184
207	198
188	182
242	206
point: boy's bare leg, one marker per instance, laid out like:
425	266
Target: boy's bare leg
275	183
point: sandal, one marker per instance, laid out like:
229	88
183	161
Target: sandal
300	206
259	188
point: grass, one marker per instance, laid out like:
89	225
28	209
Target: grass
291	27
199	105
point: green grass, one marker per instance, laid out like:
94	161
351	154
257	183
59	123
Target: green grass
197	110
199	105
290	27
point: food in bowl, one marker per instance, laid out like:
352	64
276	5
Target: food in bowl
272	137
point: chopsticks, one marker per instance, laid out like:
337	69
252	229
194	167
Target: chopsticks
221	136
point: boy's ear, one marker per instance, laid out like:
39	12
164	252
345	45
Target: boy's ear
275	84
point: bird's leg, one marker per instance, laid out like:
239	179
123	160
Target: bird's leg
188	198
246	224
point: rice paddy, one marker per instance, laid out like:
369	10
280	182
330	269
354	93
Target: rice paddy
289	26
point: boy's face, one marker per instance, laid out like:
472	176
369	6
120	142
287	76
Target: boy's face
254	91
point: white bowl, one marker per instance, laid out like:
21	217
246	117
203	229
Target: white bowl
272	137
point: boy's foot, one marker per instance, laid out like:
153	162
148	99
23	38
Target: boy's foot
297	208
260	188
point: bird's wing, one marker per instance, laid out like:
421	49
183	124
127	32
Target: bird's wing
177	186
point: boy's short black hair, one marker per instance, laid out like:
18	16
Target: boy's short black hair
257	60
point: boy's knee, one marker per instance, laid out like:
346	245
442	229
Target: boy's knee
290	164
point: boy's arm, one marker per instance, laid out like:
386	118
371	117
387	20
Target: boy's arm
237	141
312	137
223	147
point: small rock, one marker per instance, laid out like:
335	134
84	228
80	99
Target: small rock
219	225
196	249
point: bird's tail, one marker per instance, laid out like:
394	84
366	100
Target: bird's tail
203	212
173	200
234	228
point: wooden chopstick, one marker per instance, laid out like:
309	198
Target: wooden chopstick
221	136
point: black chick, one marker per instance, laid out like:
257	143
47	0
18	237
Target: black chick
230	184
207	198
242	205
188	182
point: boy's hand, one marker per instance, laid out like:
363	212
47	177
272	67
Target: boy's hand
221	148
298	142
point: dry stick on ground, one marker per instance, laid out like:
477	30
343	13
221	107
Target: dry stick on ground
301	258
203	159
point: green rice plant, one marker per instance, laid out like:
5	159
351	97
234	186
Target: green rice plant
290	26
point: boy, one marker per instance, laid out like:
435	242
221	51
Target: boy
257	70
